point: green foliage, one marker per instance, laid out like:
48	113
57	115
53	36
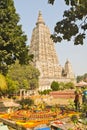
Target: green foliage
69	85
62	85
12	38
82	77
44	92
25	103
70	129
74	118
74	23
34	81
51	1
3	85
55	86
71	105
79	78
84	107
25	75
12	86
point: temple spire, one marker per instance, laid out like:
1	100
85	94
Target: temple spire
40	19
45	57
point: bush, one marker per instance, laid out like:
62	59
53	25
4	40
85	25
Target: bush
44	92
55	86
25	103
74	119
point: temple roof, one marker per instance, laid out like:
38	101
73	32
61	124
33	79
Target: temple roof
40	19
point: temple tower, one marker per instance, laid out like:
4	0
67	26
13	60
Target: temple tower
68	69
45	57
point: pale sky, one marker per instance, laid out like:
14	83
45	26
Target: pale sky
28	12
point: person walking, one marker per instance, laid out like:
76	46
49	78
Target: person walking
76	101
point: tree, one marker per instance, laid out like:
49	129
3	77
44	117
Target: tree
25	75
12	38
12	86
74	23
3	85
82	77
69	85
79	78
55	86
26	103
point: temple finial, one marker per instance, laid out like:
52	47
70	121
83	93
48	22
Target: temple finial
40	19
